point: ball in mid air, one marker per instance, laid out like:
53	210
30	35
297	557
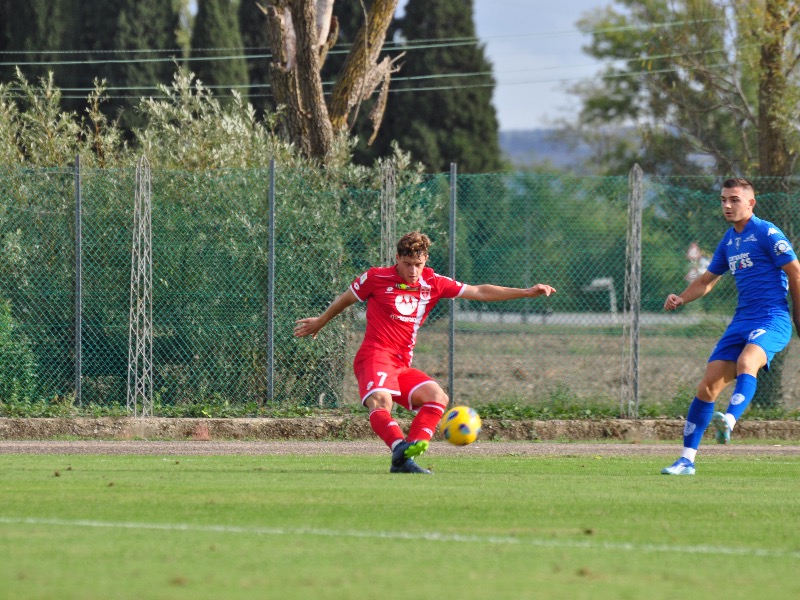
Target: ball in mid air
460	425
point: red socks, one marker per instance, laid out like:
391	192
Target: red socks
384	425
422	427
424	424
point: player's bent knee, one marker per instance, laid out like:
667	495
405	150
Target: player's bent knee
708	392
439	398
378	400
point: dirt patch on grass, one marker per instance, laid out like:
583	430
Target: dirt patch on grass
372	448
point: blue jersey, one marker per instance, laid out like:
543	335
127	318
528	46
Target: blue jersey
755	257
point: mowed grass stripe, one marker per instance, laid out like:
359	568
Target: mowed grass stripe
408	536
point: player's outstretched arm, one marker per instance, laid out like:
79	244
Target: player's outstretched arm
496	293
697	289
792	271
312	325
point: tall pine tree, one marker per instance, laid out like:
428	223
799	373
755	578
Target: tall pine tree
124	34
255	39
31	32
216	37
453	120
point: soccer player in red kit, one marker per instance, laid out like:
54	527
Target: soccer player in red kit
399	299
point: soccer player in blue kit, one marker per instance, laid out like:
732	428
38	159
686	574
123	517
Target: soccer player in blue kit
764	267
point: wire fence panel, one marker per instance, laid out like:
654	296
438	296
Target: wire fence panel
211	273
37	221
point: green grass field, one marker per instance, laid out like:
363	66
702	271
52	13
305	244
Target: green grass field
230	527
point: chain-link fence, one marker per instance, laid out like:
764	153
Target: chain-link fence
238	256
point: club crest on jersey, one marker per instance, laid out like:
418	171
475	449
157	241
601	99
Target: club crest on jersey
738	242
782	247
405	304
425	293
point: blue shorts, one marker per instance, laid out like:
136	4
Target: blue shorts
771	333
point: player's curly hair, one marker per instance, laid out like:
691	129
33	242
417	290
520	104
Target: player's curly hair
414	244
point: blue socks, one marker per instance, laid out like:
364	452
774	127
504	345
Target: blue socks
742	394
697	421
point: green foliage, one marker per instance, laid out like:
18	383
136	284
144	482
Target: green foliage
189	128
35	131
691	77
18	366
559	403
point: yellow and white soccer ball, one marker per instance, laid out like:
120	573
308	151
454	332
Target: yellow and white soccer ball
460	425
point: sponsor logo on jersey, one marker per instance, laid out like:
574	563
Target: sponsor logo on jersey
406	287
404	319
737	262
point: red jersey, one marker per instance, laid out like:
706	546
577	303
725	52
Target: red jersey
396	310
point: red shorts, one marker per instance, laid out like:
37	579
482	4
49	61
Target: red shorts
381	371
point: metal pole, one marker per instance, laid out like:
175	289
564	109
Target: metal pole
271	287
629	398
78	282
452	332
636	281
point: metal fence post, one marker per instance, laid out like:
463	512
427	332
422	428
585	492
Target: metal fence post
78	282
140	320
629	397
388	214
452	330
271	287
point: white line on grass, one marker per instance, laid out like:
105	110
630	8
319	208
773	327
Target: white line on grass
402	535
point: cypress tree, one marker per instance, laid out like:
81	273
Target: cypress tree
32	31
97	32
455	121
255	39
216	36
4	39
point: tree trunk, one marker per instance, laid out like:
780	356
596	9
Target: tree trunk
773	152
295	75
361	72
300	33
774	157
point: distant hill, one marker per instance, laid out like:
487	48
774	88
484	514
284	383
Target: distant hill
527	148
